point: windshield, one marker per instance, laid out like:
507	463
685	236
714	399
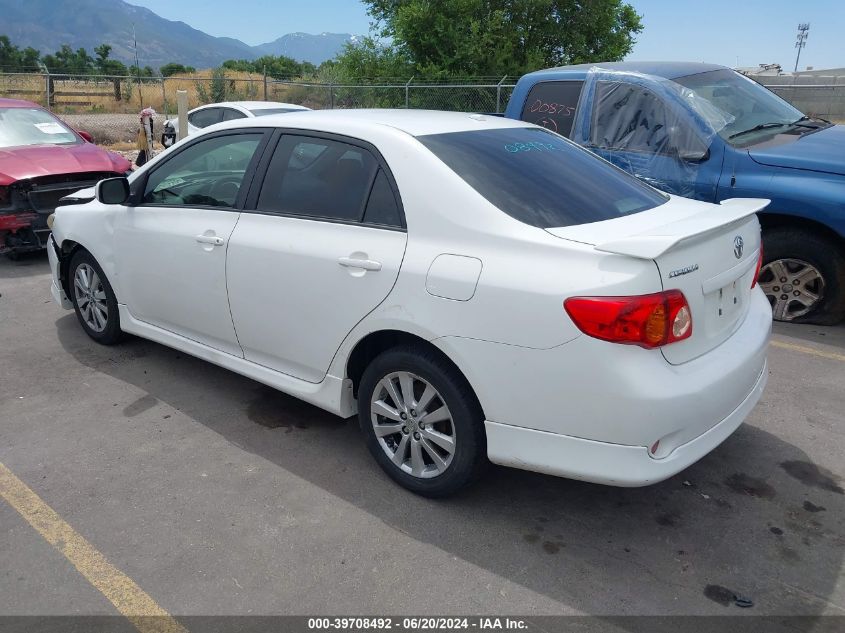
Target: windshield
33	126
266	111
540	178
748	102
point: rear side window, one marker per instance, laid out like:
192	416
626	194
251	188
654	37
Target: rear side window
318	178
552	104
381	207
541	179
206	117
230	115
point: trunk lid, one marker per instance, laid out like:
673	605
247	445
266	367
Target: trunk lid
708	252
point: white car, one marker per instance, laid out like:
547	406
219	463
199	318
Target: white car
471	287
204	116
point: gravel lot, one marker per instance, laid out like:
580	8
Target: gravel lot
217	495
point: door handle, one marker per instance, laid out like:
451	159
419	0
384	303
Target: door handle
210	239
365	264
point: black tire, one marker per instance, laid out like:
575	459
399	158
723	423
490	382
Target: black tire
111	333
824	255
470	451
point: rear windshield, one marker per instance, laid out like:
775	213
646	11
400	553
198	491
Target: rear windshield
268	111
541	179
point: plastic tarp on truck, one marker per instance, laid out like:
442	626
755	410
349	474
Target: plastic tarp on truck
649	126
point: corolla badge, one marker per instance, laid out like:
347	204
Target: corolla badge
739	244
683	271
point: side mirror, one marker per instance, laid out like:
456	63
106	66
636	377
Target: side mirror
694	155
112	190
85	135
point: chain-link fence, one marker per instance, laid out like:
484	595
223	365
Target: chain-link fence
812	94
467	96
108	107
91	94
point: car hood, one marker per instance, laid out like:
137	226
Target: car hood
18	163
822	151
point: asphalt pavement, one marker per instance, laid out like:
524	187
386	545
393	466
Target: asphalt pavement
209	493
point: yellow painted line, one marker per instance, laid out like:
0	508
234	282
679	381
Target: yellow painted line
127	597
808	350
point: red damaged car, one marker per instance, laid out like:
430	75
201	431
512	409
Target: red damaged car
41	161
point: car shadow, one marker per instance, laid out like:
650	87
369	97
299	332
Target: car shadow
755	518
833	335
24	265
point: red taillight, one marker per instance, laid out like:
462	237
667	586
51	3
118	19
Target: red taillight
759	266
645	320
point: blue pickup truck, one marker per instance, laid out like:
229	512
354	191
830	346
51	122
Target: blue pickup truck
705	131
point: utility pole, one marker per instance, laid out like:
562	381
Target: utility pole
801	41
138	66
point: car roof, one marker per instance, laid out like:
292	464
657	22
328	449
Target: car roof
667	70
17	103
267	105
251	105
413	122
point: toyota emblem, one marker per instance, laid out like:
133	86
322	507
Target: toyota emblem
739	244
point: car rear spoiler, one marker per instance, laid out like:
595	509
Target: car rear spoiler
654	242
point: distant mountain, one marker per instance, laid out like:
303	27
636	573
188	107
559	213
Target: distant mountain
305	47
47	24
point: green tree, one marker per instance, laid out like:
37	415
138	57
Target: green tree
278	67
16	60
67	61
453	38
168	70
106	66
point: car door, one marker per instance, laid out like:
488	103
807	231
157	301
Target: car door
170	246
320	249
648	133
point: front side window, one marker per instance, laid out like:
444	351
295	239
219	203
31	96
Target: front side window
539	178
208	173
20	127
744	103
206	117
552	104
319	178
629	117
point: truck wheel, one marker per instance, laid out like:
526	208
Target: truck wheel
93	299
803	276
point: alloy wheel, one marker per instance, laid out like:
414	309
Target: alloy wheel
413	424
792	286
91	297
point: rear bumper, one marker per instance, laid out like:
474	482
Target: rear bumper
602	462
591	410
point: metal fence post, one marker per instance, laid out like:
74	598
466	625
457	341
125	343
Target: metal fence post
265	82
407	93
331	95
163	98
47	88
499	94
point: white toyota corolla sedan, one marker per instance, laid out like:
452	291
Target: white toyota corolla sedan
471	287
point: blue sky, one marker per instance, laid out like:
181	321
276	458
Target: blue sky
749	32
